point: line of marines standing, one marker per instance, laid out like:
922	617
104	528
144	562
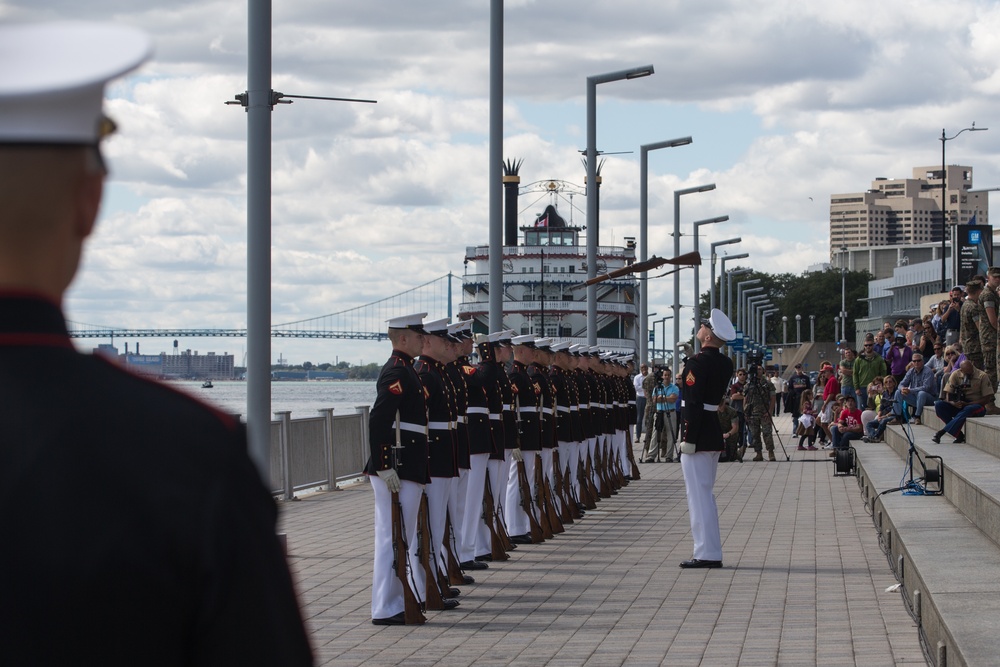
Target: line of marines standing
470	461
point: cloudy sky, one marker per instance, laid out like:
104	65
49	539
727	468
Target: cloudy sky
787	103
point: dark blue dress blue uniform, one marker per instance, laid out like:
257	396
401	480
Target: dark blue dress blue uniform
137	528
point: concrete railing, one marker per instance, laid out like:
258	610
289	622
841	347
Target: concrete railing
317	452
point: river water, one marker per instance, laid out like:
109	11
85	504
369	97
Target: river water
301	398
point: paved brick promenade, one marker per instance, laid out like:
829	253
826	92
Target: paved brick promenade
803	583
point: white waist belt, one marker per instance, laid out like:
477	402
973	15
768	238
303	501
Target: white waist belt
547	411
463	420
477	411
574	408
440	426
414	428
529	408
562	408
494	415
709	407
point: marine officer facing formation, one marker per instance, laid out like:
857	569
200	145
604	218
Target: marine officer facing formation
137	528
703	383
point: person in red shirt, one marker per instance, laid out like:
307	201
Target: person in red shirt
848	426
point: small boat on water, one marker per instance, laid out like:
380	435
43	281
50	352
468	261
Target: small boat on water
207	384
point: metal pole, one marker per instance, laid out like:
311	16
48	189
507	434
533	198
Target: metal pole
677	277
644	228
798	330
259	97
592	224
496	167
725	296
812	328
944	210
697	272
591	210
711	291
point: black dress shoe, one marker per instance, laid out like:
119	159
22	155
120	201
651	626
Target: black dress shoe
936	438
473	565
485	557
449	603
453	592
960	438
398	619
467	580
694	562
520	539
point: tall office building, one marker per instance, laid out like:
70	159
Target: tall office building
905	211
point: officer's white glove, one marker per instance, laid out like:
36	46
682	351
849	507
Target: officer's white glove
391	479
516	455
688	448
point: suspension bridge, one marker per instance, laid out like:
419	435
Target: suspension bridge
365	322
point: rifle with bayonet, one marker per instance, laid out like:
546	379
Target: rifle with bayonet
433	599
543	516
489	516
558	478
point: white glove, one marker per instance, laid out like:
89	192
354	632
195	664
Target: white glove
516	455
391	479
688	448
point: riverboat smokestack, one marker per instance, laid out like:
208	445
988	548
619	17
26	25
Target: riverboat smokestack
511	183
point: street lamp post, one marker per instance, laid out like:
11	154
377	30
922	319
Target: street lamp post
763	323
644	226
739	300
812	328
662	340
836	324
743	309
592	222
944	199
843	293
784	330
697	269
711	289
677	251
724	297
798	330
729	288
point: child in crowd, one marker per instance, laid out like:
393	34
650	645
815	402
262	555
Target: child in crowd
807	422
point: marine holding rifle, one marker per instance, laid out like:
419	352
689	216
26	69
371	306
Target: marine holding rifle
397	428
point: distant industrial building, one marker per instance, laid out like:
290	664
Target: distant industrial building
186	365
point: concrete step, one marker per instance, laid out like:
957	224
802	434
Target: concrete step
971	475
944	549
950	570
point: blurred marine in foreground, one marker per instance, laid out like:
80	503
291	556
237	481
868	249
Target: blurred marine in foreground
136	529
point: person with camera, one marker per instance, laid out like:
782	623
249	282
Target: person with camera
951	317
967	394
758	406
666	401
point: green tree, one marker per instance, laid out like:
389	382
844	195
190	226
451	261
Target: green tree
814	293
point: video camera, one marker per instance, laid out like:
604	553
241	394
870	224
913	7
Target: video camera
755	359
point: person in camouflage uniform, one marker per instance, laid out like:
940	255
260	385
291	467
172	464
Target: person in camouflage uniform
729	419
757	407
988	302
970	314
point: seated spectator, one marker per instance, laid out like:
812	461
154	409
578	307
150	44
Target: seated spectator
848	425
917	388
967	393
886	413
